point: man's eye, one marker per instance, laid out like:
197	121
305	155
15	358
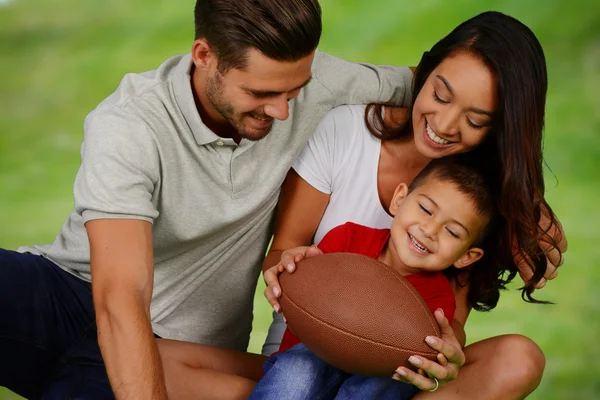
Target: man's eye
424	209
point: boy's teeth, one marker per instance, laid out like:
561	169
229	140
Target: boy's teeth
412	239
435	137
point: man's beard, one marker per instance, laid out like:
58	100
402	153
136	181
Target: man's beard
214	94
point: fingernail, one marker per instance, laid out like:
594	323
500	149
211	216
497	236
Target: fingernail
442	311
401	372
431	340
289	267
276	291
414	360
276	308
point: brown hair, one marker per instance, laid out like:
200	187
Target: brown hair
284	30
511	155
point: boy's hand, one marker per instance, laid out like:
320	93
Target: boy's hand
450	358
288	261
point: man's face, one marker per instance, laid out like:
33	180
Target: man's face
250	99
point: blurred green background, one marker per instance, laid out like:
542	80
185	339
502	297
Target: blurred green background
60	58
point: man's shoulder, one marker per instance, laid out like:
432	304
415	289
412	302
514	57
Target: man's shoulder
143	88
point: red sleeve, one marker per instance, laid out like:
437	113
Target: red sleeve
289	340
436	291
335	240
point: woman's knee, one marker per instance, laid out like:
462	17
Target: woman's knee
517	363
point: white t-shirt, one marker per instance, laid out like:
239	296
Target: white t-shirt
341	159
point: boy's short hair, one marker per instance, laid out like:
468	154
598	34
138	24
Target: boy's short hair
283	30
468	179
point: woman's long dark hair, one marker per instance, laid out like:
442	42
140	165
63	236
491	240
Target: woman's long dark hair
511	154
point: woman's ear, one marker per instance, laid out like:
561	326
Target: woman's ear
470	256
399	194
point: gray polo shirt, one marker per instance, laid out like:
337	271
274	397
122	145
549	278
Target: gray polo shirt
147	155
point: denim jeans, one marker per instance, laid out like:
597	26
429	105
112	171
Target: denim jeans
299	374
48	341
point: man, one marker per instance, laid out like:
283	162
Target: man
181	170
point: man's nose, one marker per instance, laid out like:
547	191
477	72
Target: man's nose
278	108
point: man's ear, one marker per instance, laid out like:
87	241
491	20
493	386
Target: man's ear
202	54
470	256
399	194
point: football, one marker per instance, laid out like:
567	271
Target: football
357	313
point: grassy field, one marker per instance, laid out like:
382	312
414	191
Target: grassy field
61	57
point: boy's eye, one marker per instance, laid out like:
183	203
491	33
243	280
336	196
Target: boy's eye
424	209
452	233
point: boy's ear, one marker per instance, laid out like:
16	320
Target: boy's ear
399	194
470	256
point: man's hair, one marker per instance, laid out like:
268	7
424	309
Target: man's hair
283	30
468	180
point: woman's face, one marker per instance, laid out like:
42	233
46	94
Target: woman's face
454	110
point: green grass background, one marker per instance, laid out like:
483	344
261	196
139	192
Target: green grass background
59	58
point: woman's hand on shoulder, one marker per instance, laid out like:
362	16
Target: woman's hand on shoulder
433	374
554	251
288	261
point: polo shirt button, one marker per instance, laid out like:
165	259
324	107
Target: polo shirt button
220	143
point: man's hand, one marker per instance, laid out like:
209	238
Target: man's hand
554	254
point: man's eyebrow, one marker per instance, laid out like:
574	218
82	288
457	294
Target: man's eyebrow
474	109
437	206
267	93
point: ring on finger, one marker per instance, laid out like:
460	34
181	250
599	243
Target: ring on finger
437	385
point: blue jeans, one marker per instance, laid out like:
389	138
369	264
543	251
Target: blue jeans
48	341
299	374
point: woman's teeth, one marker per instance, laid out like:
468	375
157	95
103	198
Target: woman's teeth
435	137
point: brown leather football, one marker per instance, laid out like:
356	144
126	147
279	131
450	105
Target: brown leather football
357	313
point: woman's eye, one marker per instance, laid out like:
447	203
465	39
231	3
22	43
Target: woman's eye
474	125
424	209
438	99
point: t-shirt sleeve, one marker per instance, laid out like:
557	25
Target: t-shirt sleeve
119	167
326	151
362	83
336	240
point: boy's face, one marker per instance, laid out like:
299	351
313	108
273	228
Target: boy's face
434	227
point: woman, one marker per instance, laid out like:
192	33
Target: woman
479	90
474	92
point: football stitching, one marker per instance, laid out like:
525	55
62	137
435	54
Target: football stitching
421	353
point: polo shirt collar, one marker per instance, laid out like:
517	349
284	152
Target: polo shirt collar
182	89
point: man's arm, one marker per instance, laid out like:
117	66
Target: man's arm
363	83
122	279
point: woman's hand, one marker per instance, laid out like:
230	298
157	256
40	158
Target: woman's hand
288	261
450	358
554	254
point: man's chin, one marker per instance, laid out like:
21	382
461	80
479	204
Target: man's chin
255	134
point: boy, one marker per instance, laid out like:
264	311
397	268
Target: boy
439	222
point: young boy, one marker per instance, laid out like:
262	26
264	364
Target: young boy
439	222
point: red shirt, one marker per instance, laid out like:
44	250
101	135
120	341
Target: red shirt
434	287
